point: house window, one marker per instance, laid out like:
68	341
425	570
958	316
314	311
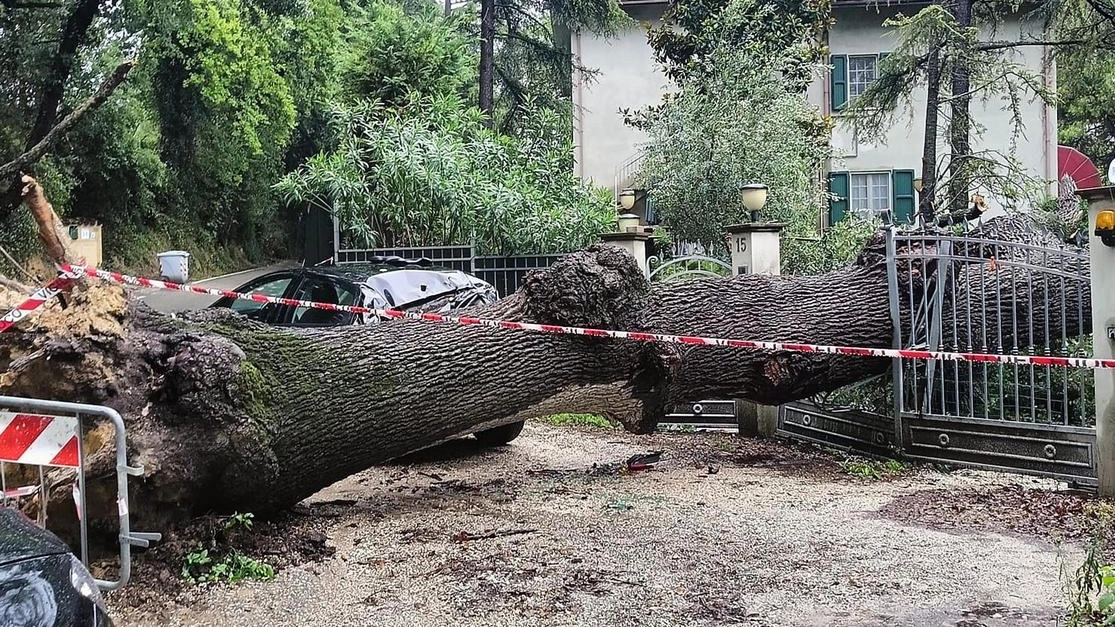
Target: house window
851	76
870	194
861	72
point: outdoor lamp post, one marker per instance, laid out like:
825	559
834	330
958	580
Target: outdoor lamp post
627	199
754	199
919	184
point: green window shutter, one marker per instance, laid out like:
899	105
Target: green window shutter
839	81
902	187
838	187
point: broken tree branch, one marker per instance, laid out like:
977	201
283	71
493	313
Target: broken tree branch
18	266
465	536
52	233
37	151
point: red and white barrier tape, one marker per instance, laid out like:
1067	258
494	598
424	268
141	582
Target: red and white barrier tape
1022	360
37	299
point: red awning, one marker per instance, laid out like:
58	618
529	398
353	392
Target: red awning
1072	162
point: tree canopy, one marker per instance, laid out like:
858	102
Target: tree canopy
231	97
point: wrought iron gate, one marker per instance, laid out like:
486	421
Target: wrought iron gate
965	294
959	293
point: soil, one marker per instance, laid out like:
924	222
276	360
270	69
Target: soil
1027	511
556	529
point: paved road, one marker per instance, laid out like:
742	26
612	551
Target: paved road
170	302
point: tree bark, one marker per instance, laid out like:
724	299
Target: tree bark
961	123
228	414
929	146
562	38
487	58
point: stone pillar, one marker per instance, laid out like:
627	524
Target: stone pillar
756	249
1103	329
634	242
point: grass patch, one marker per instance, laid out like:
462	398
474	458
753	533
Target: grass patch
873	468
585	421
219	562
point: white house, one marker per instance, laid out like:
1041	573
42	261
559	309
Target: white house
867	177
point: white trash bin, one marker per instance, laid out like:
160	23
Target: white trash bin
174	265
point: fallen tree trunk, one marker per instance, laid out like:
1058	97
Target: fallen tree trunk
228	414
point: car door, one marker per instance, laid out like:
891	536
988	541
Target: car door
276	284
323	289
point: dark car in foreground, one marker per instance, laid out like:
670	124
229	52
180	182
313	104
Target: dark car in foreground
43	584
380	283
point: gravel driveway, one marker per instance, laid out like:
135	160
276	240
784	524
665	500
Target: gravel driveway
723	531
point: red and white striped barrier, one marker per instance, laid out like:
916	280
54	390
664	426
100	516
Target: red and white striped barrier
39	440
37	299
1021	360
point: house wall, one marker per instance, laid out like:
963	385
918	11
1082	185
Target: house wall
627	77
858	31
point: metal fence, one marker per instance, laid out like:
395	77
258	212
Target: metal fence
455	257
506	274
956	293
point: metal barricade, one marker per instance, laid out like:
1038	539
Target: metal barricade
53	438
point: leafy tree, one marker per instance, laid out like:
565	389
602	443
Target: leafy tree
525	52
41	44
1085	74
741	125
692	32
429	173
389	54
231	95
739	116
1086	111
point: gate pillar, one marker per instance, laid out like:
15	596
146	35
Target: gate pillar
634	243
756	249
1103	335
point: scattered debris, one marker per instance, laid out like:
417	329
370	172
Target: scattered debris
1042	513
643	462
464	536
633	464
